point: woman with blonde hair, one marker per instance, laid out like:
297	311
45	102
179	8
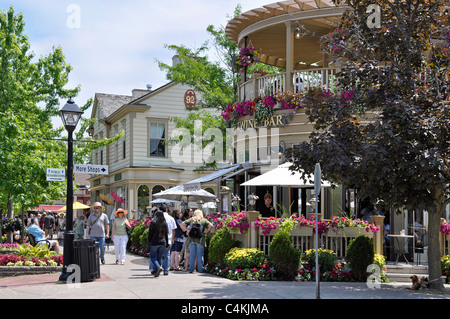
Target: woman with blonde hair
196	238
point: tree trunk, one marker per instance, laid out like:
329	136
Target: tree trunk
1	224
434	251
10	214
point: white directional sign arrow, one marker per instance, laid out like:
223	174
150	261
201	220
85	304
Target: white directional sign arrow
90	169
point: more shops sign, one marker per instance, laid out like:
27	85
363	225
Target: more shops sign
91	169
279	120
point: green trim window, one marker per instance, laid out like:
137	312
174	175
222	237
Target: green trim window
157	140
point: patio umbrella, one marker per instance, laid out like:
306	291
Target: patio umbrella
76	205
283	177
116	197
106	199
162	200
178	193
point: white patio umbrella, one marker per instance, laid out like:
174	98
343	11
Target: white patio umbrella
162	200
178	193
282	176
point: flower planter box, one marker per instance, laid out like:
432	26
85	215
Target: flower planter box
7	271
302	231
297	231
237	232
350	232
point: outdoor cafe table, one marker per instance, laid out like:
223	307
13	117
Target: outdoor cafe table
400	248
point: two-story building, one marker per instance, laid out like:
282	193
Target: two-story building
142	162
288	34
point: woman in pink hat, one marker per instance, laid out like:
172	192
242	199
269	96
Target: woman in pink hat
119	235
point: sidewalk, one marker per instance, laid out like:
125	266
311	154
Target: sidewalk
134	281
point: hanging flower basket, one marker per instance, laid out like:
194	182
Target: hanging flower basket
247	56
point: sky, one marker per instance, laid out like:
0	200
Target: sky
113	45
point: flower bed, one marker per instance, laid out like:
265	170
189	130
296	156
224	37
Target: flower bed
338	273
21	260
15	260
139	251
263	273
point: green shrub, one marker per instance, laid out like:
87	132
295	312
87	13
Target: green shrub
360	255
143	239
327	259
219	246
136	233
284	256
39	251
244	258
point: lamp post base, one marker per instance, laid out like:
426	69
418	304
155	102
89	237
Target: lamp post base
65	275
69	237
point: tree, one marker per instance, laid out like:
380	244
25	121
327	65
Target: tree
215	80
385	129
30	90
24	84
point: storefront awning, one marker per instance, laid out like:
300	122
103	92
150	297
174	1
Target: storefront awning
221	174
47	208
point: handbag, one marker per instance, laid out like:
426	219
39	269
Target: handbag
128	230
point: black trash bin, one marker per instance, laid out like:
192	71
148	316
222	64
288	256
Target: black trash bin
86	256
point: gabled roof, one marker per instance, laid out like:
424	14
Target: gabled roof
107	104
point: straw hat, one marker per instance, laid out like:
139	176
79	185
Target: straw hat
120	210
97	204
61	214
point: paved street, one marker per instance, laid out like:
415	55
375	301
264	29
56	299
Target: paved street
134	281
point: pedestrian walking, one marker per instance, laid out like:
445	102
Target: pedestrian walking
172	226
158	241
79	227
184	255
60	226
119	235
49	225
177	242
97	228
196	239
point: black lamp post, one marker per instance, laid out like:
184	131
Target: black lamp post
70	115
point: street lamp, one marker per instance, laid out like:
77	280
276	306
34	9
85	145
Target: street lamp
70	115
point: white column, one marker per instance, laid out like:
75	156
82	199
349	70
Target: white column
289	55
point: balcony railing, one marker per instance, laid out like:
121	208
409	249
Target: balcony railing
299	80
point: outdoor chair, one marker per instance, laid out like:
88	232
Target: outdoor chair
32	240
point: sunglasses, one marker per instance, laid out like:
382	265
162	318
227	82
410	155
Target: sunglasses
97	208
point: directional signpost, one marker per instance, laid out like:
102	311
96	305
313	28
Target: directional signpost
90	169
56	174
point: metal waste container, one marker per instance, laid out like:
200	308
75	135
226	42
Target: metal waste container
86	256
